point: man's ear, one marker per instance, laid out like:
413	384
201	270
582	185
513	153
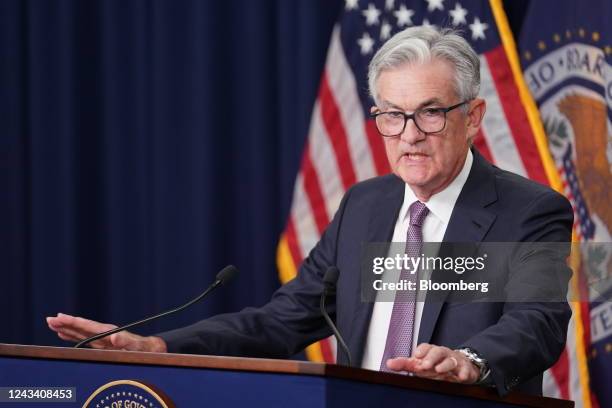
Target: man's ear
477	109
374	109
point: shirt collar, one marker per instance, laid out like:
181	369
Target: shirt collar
442	203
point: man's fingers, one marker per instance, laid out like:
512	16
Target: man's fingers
60	320
55	322
126	341
448	368
402	364
434	356
71	328
447	365
426	358
437	362
71	335
78	323
74	328
66	337
117	340
77	334
74	335
91	326
422	350
467	373
134	342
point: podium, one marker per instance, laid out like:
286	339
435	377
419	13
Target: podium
211	381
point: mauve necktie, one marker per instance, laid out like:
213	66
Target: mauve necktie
401	327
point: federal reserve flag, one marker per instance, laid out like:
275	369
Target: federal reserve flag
566	51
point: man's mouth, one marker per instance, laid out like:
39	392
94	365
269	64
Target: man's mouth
415	156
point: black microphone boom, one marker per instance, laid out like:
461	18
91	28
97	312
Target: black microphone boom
329	281
224	276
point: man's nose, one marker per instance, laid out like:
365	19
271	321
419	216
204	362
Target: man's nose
411	133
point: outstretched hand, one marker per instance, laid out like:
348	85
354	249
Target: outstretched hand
438	363
72	328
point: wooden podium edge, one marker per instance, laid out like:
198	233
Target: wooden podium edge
277	366
163	359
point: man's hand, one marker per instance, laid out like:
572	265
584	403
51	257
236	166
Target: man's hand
75	329
438	363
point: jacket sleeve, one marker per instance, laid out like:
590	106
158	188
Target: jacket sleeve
530	336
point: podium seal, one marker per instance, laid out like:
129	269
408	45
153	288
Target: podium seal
127	394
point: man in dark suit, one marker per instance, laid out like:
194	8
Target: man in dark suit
425	85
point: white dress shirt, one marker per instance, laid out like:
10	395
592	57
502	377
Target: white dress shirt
440	207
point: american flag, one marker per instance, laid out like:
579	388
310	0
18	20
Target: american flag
343	146
583	224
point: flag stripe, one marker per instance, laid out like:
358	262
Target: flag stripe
495	127
560	372
526	100
284	261
377	147
313	191
293	246
481	144
343	86
520	129
578	333
549	384
337	135
303	220
326	351
313	353
325	163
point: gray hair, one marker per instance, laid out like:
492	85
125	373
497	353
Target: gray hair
420	45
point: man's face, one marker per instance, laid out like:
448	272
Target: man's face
426	162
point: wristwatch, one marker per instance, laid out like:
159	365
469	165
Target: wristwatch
478	361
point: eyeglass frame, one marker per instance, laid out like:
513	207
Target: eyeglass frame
413	116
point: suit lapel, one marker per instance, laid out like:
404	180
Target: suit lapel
380	230
470	221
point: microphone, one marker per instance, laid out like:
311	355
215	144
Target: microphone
225	275
329	287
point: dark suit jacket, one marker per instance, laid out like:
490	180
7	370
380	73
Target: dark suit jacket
519	340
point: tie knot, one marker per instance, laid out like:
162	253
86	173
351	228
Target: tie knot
418	212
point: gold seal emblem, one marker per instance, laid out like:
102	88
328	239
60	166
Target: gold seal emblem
127	394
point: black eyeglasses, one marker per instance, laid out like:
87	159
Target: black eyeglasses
427	120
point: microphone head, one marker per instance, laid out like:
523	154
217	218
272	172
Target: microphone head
331	277
226	274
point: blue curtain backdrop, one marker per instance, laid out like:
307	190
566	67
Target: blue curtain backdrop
146	144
